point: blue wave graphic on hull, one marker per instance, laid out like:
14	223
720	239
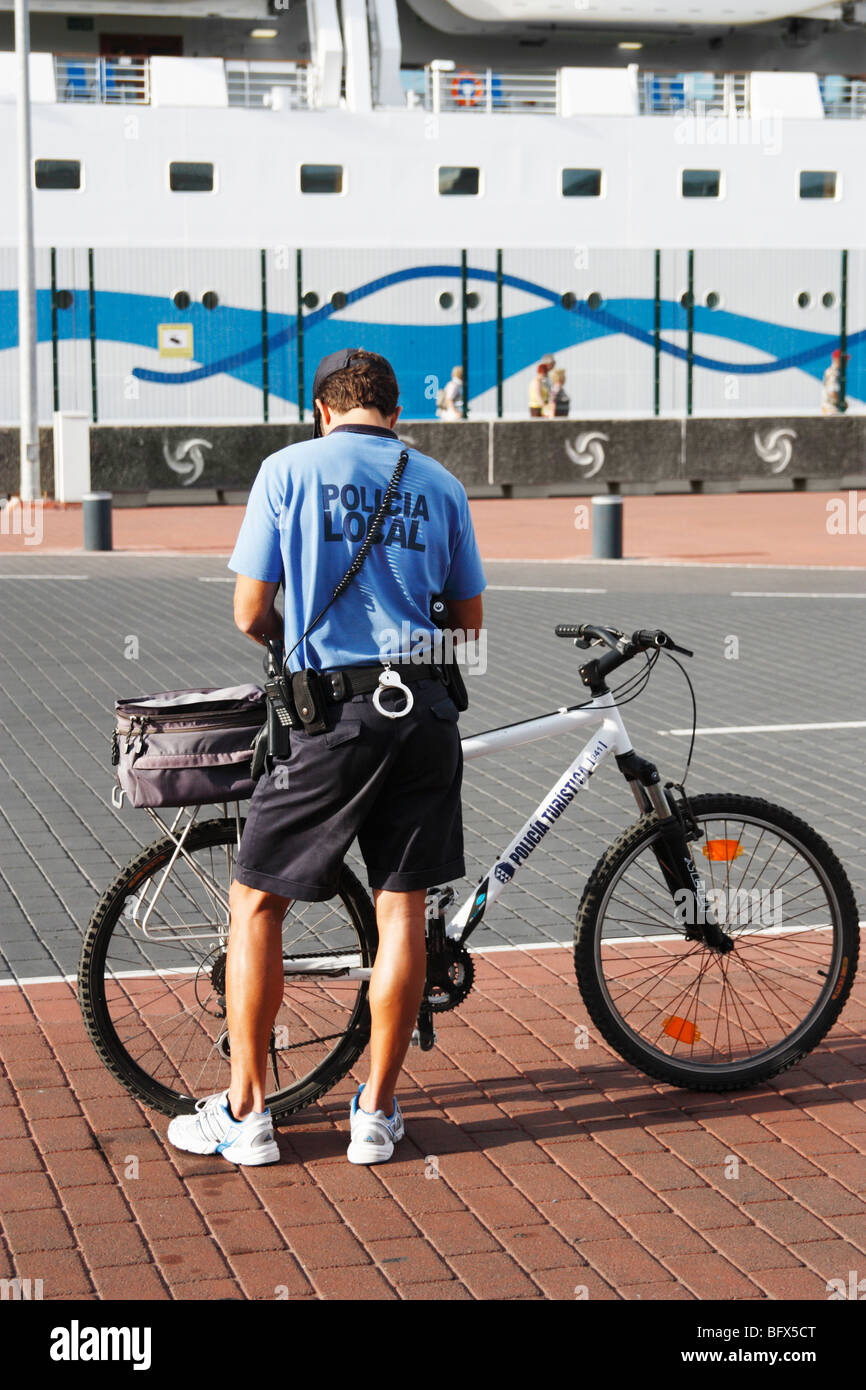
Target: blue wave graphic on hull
134	319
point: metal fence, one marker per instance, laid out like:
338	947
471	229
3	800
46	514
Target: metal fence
843	97
486	91
704	93
275	85
114	80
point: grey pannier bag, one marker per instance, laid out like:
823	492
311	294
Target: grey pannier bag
188	747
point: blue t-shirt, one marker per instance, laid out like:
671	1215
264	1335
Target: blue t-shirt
308	512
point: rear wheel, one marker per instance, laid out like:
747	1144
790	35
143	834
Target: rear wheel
697	1017
151	979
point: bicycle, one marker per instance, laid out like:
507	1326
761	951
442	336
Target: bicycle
682	967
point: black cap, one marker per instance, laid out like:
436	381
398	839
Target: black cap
334	362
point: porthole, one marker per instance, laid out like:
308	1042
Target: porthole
713	300
472	300
339	300
446	300
181	299
828	299
594	300
63	299
311	300
687	300
210	299
568	300
804	299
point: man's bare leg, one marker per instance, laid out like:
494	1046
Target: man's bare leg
254	990
396	987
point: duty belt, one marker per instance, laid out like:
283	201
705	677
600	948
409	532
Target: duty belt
299	700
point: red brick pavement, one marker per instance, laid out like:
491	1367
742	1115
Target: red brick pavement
529	1171
759	528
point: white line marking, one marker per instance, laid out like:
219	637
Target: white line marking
216	579
481	951
765	728
539	589
793	593
44	576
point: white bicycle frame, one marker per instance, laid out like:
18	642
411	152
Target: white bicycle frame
610	737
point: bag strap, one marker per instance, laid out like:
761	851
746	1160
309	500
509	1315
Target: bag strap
366	546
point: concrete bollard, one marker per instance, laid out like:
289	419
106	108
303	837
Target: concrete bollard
607	528
96	510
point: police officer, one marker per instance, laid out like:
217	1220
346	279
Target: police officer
306	518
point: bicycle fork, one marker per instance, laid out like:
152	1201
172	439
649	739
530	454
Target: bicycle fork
677	827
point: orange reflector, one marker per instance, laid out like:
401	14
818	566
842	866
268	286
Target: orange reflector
722	849
681	1029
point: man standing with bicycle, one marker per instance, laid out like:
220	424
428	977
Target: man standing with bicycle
375	748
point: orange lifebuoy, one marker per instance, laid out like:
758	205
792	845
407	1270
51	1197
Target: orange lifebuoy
467	89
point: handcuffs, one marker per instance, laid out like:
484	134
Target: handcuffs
389	680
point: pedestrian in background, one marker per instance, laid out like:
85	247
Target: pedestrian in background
449	402
559	403
831	403
539	390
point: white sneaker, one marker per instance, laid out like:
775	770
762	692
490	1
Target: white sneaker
212	1130
373	1135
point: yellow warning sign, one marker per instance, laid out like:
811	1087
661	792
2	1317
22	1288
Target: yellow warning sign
175	340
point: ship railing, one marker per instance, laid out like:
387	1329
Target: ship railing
698	93
843	97
269	84
449	88
119	79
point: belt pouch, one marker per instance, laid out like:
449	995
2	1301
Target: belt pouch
309	700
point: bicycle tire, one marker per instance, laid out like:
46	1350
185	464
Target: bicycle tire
92	993
594	986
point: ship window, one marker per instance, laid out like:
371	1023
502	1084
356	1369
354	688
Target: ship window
472	300
210	299
828	299
185	176
338	300
568	300
63	299
57	173
713	300
463	181
804	299
594	300
817	183
321	178
701	183
581	183
446	300
310	300
181	299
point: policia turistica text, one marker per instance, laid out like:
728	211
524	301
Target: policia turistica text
394	782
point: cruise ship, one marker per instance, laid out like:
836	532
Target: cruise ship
668	198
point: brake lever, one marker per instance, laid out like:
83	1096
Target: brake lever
683	651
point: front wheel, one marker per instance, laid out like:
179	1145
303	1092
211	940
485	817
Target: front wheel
702	1018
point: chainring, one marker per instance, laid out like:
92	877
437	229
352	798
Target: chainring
460	979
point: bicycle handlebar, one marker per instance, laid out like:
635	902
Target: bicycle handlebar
643	639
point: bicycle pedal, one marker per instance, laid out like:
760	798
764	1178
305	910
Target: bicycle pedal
415	1040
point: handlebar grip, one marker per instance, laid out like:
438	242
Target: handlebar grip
645	637
568	630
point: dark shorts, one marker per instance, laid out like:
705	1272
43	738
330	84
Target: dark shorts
393	783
